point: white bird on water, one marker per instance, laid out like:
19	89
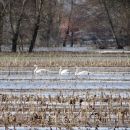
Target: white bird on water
63	71
38	71
77	72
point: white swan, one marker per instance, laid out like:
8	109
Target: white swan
37	71
81	72
63	72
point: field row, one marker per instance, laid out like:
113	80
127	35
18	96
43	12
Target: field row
84	108
65	60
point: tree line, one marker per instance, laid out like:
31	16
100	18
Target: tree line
50	23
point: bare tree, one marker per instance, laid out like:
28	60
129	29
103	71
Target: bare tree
17	28
69	24
50	21
1	25
111	23
127	5
45	22
36	26
3	6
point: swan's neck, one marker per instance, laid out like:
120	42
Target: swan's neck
36	68
60	70
76	72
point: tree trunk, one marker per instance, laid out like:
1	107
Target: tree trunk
66	35
36	27
1	32
34	36
112	26
48	34
128	33
1	26
69	22
128	22
72	39
50	22
16	32
58	39
15	36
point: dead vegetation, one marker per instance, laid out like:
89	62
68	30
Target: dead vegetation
64	108
87	109
70	59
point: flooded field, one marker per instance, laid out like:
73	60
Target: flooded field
91	97
24	78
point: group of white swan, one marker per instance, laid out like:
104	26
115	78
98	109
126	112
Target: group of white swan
61	71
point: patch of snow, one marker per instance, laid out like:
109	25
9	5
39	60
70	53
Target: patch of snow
71	49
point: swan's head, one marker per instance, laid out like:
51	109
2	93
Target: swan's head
60	68
35	65
77	68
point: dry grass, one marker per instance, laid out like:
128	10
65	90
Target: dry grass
68	59
61	110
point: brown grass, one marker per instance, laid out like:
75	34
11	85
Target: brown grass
51	59
39	110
